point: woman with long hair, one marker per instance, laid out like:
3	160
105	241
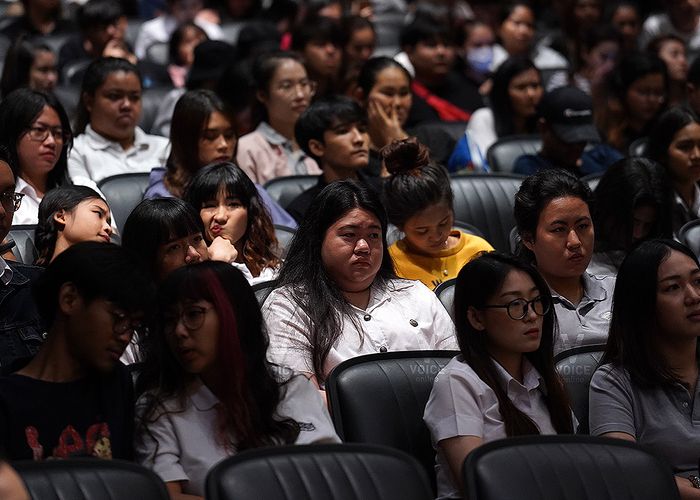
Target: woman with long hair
516	91
647	386
503	383
36	131
230	208
675	144
68	215
338	296
31	64
553	218
207	389
633	203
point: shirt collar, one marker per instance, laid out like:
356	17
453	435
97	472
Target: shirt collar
531	378
593	291
695	209
271	135
25	188
5	272
97	141
202	398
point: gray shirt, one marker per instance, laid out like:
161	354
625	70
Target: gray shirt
587	322
666	420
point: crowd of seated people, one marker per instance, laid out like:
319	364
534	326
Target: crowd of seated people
198	330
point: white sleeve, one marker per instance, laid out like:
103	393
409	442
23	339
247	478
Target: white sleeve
77	164
288	328
482	130
454	407
302	402
157	447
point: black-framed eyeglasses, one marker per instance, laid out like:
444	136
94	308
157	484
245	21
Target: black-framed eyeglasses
517	309
192	318
39	134
11	201
122	323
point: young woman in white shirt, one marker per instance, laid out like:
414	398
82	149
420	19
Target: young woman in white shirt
207	389
503	383
108	140
231	208
36	131
338	296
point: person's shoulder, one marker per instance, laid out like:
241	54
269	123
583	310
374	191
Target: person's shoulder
527	164
458	370
610	371
482	116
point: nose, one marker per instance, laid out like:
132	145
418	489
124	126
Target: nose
573	241
192	256
106	227
362	246
50	140
692	294
221	214
180	331
357	136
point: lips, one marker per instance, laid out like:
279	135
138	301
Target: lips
694	316
105	237
533	332
216	229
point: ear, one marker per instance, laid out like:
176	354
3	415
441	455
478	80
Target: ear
87	101
528	241
261	96
476	318
60	217
317	148
69	300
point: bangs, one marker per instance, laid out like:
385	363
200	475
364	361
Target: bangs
181	225
226	177
182	285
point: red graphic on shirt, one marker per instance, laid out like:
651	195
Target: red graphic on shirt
71	443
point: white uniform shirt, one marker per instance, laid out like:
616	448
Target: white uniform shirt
461	404
159	30
404	316
182	445
94	157
267	274
481	134
28	212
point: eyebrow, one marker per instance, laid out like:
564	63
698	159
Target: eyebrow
674	277
356	226
561	221
517	293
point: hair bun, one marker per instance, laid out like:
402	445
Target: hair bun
403	156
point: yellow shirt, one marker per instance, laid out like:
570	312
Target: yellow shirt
434	269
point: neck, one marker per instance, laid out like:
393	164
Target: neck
569	288
680	355
38	182
519	122
284	127
358	299
54	363
512	362
124	142
331	174
61	245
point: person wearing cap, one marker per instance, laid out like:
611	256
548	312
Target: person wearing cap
570	139
210	60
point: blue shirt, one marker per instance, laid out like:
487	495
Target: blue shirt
593	161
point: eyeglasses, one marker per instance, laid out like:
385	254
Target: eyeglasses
517	309
11	201
288	87
122	323
192	318
39	134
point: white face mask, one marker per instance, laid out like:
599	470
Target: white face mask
480	58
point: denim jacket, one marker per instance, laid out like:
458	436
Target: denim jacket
21	330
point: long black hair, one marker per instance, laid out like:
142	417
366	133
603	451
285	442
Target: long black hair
253	392
477	283
634	324
499	98
303	272
18	110
64	198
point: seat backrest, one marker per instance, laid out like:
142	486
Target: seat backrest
380	398
318	472
284	189
123	192
158	53
284	236
23	236
89	478
571	467
638	147
445	292
689	235
486	201
69	97
151	99
503	153
576	367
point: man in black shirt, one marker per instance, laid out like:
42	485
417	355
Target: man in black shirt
75	398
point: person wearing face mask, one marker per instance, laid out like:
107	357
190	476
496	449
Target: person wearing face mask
566	128
477	53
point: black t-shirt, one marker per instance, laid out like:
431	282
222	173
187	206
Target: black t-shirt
88	417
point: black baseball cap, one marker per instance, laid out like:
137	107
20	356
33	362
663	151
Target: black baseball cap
569	112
